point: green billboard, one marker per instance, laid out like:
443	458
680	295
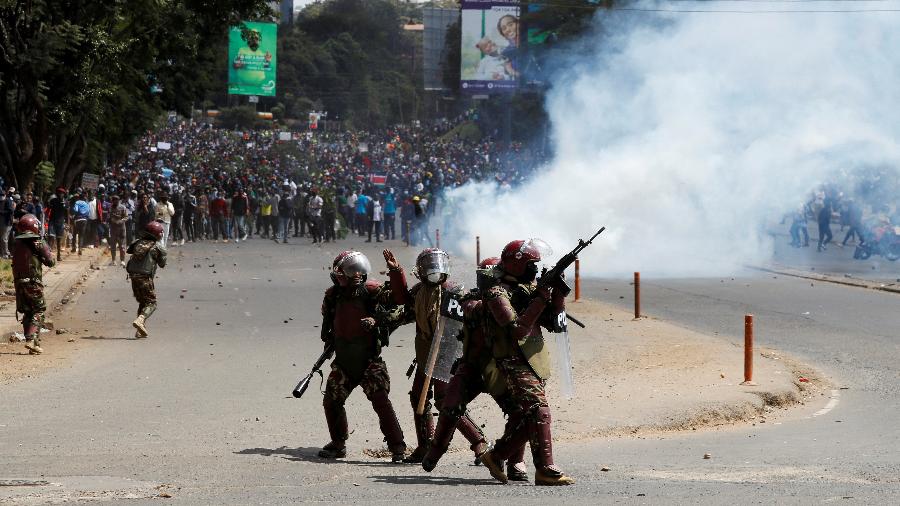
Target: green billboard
252	59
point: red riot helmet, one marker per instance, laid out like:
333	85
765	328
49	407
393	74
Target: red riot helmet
433	266
520	258
28	227
154	230
485	275
350	268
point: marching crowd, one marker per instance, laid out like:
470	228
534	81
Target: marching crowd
206	183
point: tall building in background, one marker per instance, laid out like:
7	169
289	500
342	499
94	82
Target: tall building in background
287	12
436	23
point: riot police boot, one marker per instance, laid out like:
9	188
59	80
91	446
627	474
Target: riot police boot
138	324
333	450
494	466
424	432
515	466
443	434
546	473
390	426
33	347
473	435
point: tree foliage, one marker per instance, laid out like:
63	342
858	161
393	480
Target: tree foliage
81	79
353	59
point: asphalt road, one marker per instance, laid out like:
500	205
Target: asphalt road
204	408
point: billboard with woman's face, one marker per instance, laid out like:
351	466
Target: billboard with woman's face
490	46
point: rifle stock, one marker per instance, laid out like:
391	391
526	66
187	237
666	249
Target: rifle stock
301	387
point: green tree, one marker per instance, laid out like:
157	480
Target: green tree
77	76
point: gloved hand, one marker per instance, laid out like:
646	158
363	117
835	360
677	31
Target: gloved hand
544	292
367	323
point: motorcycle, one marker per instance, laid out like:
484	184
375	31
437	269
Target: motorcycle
881	240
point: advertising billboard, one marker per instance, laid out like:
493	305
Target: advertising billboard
252	59
490	46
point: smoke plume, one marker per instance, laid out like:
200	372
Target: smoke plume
683	133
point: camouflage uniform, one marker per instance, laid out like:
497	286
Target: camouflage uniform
421	302
476	372
516	313
357	360
146	255
29	254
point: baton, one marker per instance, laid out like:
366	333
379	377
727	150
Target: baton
432	358
574	320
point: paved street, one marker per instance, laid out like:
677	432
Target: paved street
202	410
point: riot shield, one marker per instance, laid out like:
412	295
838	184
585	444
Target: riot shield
562	356
450	326
445	344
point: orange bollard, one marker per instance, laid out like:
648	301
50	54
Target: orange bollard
748	351
577	280
477	250
637	295
437	238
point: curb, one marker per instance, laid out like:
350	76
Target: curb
858	283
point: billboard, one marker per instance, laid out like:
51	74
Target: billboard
490	46
252	59
434	45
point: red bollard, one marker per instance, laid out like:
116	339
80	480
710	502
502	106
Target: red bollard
637	295
437	238
748	351
577	280
477	250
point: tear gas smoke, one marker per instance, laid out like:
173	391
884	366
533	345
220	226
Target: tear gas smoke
684	133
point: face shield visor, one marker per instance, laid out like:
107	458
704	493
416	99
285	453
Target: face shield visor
354	266
433	266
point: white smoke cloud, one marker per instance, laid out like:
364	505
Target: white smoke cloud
682	133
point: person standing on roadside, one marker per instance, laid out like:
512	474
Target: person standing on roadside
165	211
80	213
824	219
130	203
285	210
58	213
218	214
118	215
390	214
7	206
240	207
314	205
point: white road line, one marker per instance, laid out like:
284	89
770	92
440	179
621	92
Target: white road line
835	397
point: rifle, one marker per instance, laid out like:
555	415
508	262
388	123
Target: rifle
554	277
316	368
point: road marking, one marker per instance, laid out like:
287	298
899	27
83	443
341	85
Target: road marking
835	397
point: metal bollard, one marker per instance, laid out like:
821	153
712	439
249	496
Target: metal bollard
748	351
477	250
577	280
637	295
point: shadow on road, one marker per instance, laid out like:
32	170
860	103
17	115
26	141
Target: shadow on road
432	480
310	454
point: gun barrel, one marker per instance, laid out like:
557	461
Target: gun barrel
302	386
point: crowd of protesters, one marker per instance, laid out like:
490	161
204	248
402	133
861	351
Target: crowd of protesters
207	183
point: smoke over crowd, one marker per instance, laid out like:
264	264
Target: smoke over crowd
685	133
